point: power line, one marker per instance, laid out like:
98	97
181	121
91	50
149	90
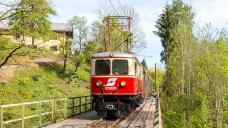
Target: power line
110	1
144	56
121	6
117	13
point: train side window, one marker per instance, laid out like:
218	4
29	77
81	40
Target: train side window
140	73
120	67
102	67
136	68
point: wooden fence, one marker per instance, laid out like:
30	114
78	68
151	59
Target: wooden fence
39	113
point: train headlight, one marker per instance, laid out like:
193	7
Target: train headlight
122	83
99	83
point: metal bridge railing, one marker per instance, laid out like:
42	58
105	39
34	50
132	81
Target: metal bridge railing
39	113
79	106
157	114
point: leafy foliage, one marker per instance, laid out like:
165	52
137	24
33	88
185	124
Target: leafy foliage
194	91
159	78
31	19
81	32
176	15
44	81
144	64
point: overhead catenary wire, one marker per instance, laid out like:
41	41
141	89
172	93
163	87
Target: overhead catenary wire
120	42
121	6
117	13
144	55
110	1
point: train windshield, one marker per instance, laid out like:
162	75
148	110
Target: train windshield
120	67
102	67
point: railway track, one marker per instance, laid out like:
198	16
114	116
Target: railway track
105	123
139	118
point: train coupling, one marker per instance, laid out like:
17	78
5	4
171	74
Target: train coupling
110	107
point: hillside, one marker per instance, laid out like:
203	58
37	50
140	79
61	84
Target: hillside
35	74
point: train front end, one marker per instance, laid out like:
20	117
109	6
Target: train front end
115	88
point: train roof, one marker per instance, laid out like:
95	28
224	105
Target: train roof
116	54
113	54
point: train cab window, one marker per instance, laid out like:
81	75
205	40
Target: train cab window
120	67
102	67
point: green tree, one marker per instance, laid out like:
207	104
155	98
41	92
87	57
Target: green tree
175	30
165	25
27	18
8	9
144	64
79	25
194	89
66	50
97	30
90	49
173	16
119	36
159	78
31	19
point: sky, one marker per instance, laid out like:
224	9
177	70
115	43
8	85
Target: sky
207	11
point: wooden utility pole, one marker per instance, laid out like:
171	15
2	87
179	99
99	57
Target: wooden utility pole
155	76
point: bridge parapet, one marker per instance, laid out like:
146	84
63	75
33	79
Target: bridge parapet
39	113
158	123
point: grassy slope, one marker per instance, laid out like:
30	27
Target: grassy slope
43	81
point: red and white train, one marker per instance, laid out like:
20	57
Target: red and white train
119	83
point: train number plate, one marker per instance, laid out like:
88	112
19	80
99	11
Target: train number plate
110	88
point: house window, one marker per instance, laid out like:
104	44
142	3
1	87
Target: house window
16	36
54	48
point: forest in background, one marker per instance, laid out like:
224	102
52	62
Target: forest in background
194	92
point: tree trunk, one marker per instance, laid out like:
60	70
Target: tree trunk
218	103
64	63
33	42
9	55
64	54
77	65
